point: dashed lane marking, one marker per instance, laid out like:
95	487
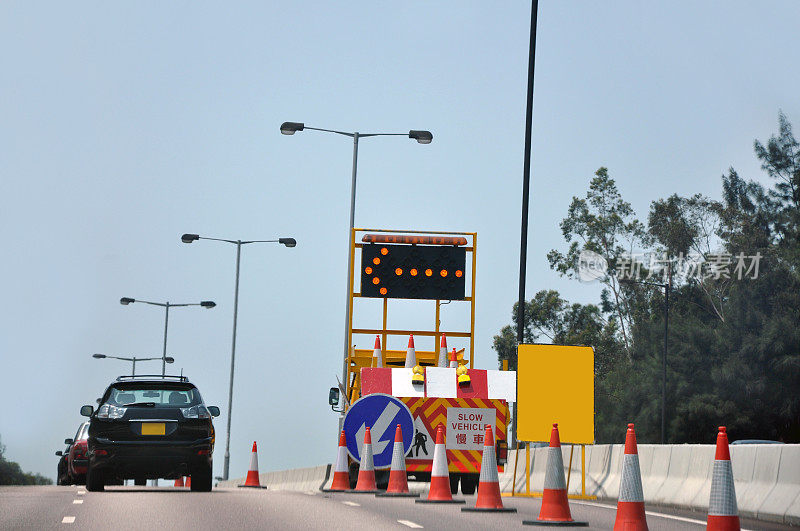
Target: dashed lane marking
351	504
81	492
76	502
68	520
409	523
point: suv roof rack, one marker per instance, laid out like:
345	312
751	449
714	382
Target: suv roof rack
172	377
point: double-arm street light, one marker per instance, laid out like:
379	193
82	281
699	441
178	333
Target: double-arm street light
134	359
423	137
166	305
189	238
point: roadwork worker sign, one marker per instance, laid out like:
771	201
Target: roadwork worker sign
466	427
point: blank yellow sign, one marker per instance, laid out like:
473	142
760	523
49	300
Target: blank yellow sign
555	383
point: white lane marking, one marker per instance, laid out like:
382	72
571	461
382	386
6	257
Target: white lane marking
81	492
409	523
351	504
651	513
76	502
68	520
310	493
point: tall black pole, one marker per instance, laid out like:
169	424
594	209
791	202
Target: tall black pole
664	361
526	184
526	176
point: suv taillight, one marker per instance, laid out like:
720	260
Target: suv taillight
196	412
107	411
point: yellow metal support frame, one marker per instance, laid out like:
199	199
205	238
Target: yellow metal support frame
352	382
528	465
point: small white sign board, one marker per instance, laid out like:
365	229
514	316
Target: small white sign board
466	427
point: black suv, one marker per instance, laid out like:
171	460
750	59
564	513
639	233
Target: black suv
149	427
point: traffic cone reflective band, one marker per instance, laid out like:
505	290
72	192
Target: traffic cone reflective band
630	506
443	352
555	508
489	484
252	473
398	481
366	472
179	482
376	354
341	474
440	477
723	514
411	353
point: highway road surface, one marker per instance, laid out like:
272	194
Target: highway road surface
122	508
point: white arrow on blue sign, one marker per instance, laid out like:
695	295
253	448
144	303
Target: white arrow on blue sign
381	414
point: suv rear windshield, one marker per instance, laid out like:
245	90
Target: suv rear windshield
159	394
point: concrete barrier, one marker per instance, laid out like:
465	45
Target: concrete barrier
299	479
784	497
765	477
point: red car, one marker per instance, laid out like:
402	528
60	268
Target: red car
77	458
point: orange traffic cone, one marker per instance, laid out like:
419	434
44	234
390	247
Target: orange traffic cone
188	482
723	513
411	353
454	359
630	505
341	474
179	482
443	352
252	474
489	484
377	359
440	477
398	481
555	508
366	472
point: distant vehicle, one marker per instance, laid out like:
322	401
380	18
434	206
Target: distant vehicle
756	441
76	456
149	427
62	476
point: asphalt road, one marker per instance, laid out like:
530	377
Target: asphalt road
122	508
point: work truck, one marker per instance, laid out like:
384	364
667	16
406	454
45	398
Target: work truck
438	387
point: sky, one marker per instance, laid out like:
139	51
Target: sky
125	125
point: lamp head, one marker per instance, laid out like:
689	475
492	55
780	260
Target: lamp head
290	128
98	356
169	359
189	238
288	242
208	304
423	137
126	300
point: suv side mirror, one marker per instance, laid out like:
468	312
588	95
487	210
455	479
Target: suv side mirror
214	410
59	452
333	396
68	441
87	411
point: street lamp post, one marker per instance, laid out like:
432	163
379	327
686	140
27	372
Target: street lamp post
166	305
134	359
422	137
189	238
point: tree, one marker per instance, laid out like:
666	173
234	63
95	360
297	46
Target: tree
12	474
605	224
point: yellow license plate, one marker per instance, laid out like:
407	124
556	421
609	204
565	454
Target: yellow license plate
153	428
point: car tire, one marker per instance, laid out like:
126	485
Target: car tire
454	483
94	479
201	478
468	483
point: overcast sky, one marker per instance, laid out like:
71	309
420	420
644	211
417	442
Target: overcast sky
125	124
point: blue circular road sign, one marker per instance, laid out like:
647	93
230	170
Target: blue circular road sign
381	414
